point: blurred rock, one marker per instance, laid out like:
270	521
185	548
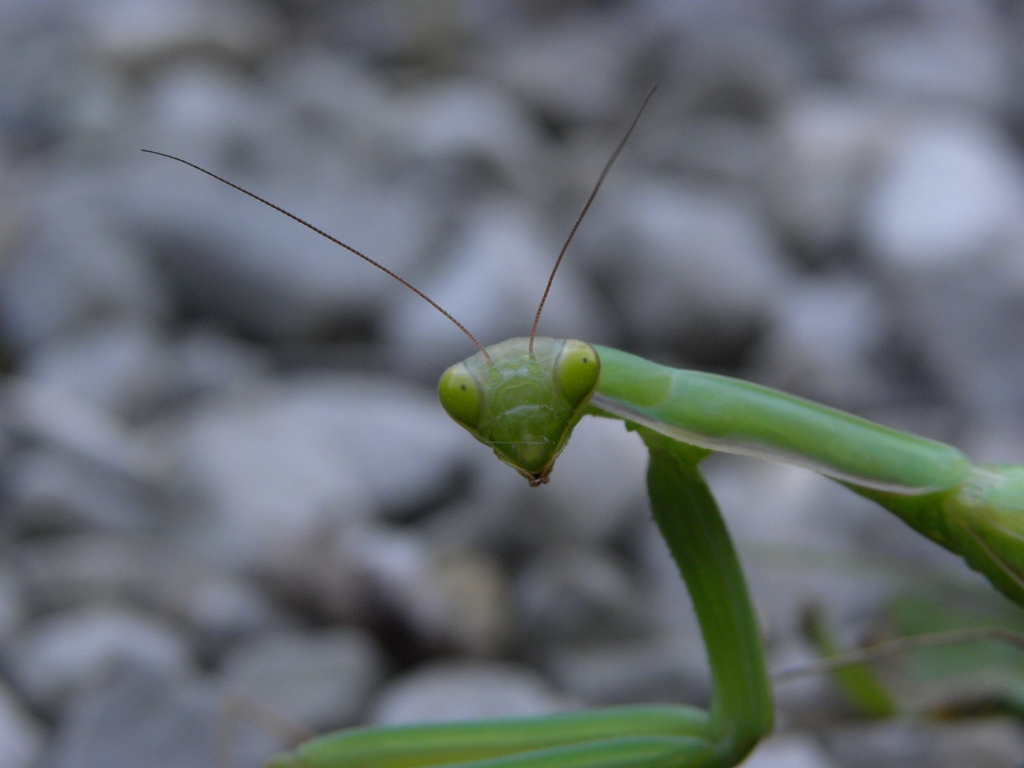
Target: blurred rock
946	224
12	603
321	680
826	146
209	361
469	120
984	743
823	338
79	465
573	594
686	266
142	30
73	269
52	417
138	716
21	737
385	576
789	751
572	67
281	463
220	607
961	57
669	668
951	196
464	691
54	657
492	283
51	490
598	485
247	265
123	368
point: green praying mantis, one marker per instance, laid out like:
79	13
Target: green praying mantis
523	397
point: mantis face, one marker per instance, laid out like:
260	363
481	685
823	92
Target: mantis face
523	406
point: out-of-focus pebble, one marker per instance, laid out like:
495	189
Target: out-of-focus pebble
824	145
140	716
319	680
576	594
668	668
952	195
120	367
789	751
960	55
492	283
686	265
280	464
59	655
142	30
73	269
985	743
823	340
464	691
21	737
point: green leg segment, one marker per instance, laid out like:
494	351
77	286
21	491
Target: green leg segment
623	737
686	513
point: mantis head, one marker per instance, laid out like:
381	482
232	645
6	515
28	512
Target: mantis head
521	397
523	404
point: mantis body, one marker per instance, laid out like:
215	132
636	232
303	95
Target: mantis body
523	397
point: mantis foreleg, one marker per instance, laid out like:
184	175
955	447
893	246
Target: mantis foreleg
626	737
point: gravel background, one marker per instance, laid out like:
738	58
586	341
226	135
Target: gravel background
225	476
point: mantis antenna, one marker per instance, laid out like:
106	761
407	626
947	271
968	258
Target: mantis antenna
336	241
586	207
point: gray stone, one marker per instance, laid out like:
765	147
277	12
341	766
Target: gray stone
220	607
468	119
598	485
141	30
789	751
823	147
53	417
233	259
21	736
702	266
464	691
285	463
320	680
120	367
73	270
210	361
492	282
50	489
952	194
444	597
571	67
960	55
946	224
983	743
53	657
12	603
137	716
822	341
670	667
573	594
80	464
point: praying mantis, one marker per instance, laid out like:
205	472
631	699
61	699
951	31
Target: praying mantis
523	397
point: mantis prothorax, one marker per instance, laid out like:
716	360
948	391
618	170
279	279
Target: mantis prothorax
523	397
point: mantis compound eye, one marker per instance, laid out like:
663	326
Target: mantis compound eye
576	371
460	396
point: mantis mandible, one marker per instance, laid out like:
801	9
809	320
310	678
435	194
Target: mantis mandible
523	397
